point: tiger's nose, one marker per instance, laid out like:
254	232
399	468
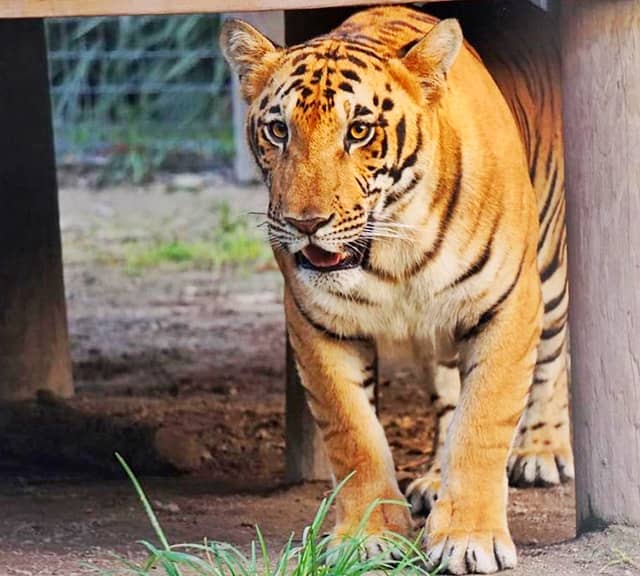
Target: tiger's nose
309	225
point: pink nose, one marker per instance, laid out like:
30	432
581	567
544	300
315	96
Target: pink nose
309	225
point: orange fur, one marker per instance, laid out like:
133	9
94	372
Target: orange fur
429	224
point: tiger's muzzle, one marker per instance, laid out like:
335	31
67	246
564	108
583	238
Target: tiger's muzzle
352	255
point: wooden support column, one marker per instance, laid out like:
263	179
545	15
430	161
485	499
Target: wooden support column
601	82
305	455
34	351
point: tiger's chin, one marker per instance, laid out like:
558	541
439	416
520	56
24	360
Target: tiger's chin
317	259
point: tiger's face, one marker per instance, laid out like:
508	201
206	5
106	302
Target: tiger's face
341	135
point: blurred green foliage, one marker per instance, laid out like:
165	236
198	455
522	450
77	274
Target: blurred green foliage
137	93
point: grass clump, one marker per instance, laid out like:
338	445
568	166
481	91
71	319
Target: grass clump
232	242
311	557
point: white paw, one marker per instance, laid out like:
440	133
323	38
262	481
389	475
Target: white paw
539	469
472	553
422	494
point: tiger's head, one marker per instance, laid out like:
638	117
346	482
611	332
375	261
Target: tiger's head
341	133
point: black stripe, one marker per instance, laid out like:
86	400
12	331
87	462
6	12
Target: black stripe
362	186
405	48
300	70
350	75
360	110
363	50
409	161
550	158
383	145
547	200
292	86
352	298
404	24
454	187
534	158
401	132
491	312
549	224
355	60
481	261
469	370
523	120
321	328
445	410
369	382
346	87
551	357
552	331
548	269
358	38
554	302
395	196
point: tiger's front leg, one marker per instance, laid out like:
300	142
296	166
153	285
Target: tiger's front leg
334	373
467	529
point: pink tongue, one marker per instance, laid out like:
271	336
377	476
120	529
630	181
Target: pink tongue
321	258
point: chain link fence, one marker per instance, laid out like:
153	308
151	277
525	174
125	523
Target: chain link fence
134	94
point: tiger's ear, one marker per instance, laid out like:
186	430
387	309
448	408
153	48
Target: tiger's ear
432	57
252	56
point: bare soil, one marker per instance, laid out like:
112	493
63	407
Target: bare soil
182	371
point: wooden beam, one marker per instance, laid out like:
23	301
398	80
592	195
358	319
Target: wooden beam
34	351
59	8
601	78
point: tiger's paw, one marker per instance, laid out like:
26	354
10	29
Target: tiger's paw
422	493
385	521
540	460
471	552
457	547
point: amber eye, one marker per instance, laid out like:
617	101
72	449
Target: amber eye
359	131
277	132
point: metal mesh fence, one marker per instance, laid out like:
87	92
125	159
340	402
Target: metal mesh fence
135	93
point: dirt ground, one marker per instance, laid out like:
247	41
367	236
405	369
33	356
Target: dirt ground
183	368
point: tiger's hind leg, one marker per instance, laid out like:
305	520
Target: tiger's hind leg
438	366
542	453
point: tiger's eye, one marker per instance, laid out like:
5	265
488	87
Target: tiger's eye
278	131
359	131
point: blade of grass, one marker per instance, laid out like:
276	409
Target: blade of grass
151	515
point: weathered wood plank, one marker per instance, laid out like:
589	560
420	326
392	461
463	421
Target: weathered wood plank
49	8
34	352
601	76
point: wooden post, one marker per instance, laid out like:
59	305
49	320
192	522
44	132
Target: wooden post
272	25
305	454
601	81
34	352
305	458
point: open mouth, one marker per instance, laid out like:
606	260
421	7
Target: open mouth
313	257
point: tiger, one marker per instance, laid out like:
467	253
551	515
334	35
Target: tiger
406	205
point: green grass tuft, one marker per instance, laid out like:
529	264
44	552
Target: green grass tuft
312	556
232	242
